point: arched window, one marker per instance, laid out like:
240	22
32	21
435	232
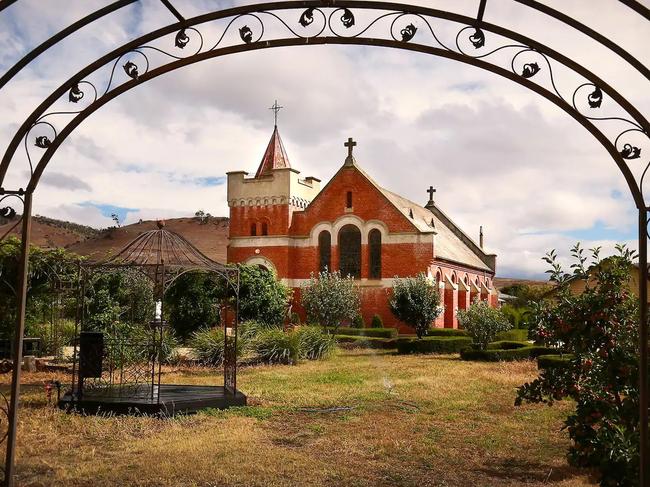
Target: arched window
348	199
265	228
324	251
374	247
350	251
253	229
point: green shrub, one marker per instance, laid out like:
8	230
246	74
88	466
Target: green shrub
192	302
358	322
432	345
506	345
368	332
295	318
506	355
262	297
330	299
482	322
416	302
551	361
208	345
446	332
348	341
517	335
275	346
314	343
376	322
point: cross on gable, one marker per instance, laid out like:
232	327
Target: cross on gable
431	190
350	144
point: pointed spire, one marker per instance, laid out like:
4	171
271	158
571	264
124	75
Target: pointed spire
275	156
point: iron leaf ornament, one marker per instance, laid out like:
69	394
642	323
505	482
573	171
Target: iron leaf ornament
307	17
8	212
595	98
347	19
131	70
182	39
75	94
530	69
42	142
408	32
477	38
630	152
246	34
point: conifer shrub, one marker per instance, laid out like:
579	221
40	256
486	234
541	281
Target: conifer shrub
376	322
358	322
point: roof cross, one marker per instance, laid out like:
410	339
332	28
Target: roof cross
276	108
431	190
350	144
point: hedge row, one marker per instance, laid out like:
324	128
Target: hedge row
495	355
550	361
367	332
347	341
433	344
516	335
446	332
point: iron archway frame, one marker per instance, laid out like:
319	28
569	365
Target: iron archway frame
306	13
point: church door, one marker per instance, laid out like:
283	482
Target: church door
350	251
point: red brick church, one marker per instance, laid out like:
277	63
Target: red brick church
291	226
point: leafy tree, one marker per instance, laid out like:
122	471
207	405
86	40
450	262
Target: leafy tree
482	322
516	315
330	299
416	302
193	302
262	297
599	327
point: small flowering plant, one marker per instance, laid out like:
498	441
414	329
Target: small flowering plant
599	328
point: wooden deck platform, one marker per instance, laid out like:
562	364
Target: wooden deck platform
169	400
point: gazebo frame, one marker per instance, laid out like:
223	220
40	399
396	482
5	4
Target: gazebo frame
124	375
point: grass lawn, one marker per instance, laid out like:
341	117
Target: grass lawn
413	421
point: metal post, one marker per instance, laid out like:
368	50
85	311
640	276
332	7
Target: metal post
18	341
644	471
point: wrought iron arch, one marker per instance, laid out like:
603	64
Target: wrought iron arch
320	22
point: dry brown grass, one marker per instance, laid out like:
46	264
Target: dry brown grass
416	421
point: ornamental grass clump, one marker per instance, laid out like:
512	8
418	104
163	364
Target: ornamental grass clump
483	323
314	343
274	346
599	328
208	344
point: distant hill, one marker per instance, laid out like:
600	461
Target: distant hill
501	282
52	233
210	237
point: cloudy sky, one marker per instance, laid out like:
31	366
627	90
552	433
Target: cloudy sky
499	155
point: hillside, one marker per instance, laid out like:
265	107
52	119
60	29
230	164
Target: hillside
211	238
501	282
51	233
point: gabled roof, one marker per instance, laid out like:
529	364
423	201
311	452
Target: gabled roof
275	156
451	242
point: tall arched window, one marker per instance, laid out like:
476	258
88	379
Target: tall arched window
374	247
265	228
350	251
253	229
324	251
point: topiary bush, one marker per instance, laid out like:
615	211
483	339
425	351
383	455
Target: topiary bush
275	346
523	352
482	323
314	343
358	322
376	322
432	345
446	332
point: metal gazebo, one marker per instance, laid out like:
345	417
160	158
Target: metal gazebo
122	374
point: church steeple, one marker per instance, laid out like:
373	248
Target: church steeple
275	156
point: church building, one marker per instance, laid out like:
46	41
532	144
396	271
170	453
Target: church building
293	227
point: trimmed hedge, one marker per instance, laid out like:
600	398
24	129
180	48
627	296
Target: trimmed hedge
367	332
348	341
507	345
446	332
550	361
495	355
434	344
517	335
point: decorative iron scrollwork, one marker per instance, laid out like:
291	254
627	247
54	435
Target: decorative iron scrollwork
307	17
408	32
477	38
530	69
630	152
7	212
75	93
42	142
595	98
182	39
246	34
131	69
347	19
